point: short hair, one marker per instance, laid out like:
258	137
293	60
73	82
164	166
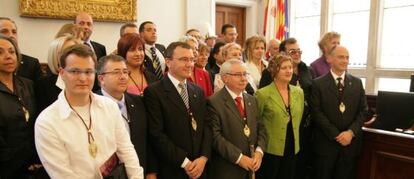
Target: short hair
16	49
225	27
191	30
127	42
203	48
187	38
230	46
326	38
214	51
79	50
288	41
269	43
227	65
55	51
142	26
124	26
105	59
250	45
8	19
169	52
275	63
72	29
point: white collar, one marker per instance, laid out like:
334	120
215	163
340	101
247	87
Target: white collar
113	99
64	108
234	95
175	81
336	76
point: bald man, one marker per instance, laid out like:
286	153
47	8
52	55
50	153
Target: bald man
338	109
85	20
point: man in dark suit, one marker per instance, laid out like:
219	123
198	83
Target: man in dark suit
154	59
85	20
113	78
339	109
29	67
239	136
177	116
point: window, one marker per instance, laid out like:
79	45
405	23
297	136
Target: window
394	84
351	19
306	23
397	48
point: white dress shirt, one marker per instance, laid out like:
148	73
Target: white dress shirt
159	54
336	76
62	140
254	72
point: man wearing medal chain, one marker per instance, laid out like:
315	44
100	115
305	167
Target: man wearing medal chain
81	134
339	109
239	136
177	118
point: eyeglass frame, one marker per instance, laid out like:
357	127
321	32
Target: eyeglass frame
295	51
78	72
117	72
239	74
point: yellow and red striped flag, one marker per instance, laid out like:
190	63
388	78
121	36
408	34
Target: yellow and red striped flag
276	20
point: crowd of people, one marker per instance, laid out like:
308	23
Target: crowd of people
202	107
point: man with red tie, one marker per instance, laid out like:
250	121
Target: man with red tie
239	136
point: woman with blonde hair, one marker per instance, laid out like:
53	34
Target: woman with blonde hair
48	87
255	51
73	29
281	107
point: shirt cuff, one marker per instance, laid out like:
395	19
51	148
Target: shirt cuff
185	162
238	159
259	149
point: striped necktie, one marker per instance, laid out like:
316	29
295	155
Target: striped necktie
184	94
156	63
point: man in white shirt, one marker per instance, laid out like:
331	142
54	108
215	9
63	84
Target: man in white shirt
81	135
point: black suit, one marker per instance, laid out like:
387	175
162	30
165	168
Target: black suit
46	91
332	159
213	69
170	130
148	61
99	49
29	68
229	140
138	128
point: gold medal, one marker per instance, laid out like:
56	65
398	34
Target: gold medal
342	107
194	123
246	131
93	149
26	114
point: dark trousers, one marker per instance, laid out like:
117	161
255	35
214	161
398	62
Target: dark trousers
277	167
339	166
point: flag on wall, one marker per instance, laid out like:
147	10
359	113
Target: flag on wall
276	19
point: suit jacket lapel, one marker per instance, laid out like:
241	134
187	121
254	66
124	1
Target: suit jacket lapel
131	112
277	98
331	83
348	86
172	94
248	109
231	104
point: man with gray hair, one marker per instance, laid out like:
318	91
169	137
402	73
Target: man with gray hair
272	48
239	136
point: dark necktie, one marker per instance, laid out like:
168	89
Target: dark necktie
184	94
340	88
156	63
240	106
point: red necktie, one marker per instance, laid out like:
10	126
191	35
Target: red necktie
240	106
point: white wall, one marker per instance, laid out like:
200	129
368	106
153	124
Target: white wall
172	17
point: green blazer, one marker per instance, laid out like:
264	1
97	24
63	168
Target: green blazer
275	117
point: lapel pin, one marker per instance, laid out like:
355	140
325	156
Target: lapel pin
132	105
195	96
350	83
248	104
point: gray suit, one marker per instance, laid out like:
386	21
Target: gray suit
229	140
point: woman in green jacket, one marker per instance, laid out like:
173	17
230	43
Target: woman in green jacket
281	108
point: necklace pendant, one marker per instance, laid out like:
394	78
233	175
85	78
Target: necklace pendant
194	123
93	149
342	107
246	131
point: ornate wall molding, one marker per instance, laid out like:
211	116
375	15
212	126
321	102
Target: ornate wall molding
101	10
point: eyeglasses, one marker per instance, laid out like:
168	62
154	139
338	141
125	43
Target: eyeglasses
117	72
186	59
78	72
238	74
293	51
